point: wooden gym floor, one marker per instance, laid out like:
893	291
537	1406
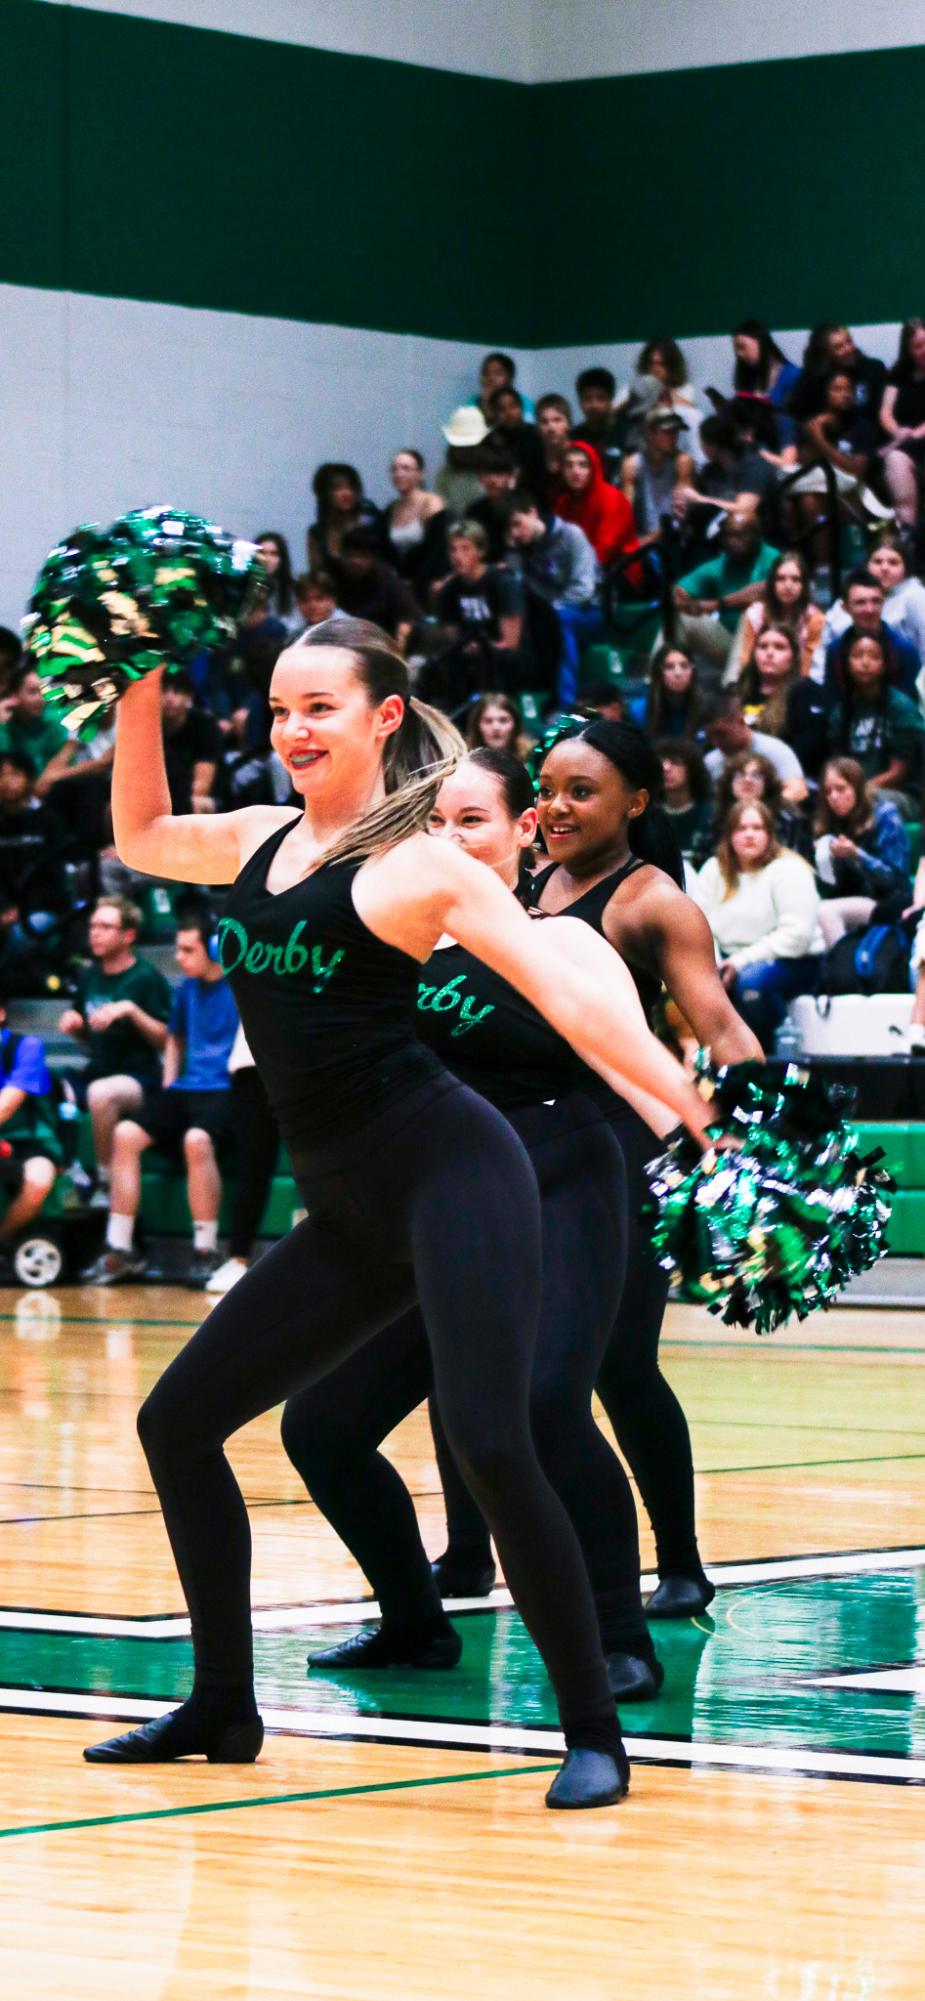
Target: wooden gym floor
391	1844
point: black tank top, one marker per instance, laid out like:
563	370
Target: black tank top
328	1009
490	1037
590	908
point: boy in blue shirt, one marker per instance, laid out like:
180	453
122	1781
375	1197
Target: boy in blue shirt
30	1145
190	1113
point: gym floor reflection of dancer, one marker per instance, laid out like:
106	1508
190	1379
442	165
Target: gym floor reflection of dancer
614	863
501	1047
415	1187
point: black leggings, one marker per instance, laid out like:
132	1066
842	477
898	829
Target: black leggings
257	1145
649	1424
435	1201
332	1432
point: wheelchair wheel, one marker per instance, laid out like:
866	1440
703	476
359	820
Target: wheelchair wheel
38	1261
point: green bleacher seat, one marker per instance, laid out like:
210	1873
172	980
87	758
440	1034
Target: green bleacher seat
601	662
906	1234
532	705
914	838
903	1144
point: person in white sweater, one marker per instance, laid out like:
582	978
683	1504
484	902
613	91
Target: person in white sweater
761	903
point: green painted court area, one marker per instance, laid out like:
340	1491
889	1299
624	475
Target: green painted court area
748	1675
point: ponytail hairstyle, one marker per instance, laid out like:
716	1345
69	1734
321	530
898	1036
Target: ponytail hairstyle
417	757
651	836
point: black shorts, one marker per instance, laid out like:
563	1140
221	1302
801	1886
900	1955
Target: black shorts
11	1164
167	1115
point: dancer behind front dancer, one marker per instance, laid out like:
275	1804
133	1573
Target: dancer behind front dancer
502	1048
412	1192
612	857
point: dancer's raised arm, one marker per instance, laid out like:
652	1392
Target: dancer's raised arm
188	847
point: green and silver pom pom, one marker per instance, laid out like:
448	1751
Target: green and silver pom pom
776	1224
111	604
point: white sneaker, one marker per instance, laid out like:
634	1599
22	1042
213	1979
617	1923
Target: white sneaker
226	1276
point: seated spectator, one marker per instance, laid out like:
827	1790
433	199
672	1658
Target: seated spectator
555	560
10	657
34	891
785	600
762	369
765	685
600	510
734	476
371	589
663	359
672	704
842	432
902	416
510	433
861	850
600	424
481	611
341	504
279	600
29	1131
711	598
602	698
496	476
456	483
864	609
655	477
904	594
846	439
191	1114
495	724
687	797
119	1016
729	732
829	347
497	372
554	424
874	723
415	523
193	748
30	729
749	776
316	597
915	1034
762	906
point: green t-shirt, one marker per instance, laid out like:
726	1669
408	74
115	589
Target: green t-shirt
39	737
122	1050
721	578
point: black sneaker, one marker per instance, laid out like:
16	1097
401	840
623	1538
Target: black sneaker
115	1267
376	1648
201	1266
459	1576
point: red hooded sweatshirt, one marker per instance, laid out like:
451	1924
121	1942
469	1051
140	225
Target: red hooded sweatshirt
601	510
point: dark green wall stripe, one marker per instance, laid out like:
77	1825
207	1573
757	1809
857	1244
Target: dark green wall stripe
683	202
157	162
204	169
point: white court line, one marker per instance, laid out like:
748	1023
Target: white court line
778	1759
291	1618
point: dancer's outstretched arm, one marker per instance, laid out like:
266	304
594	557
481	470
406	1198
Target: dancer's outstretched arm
424	889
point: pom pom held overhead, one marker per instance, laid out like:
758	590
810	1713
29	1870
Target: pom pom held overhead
112	604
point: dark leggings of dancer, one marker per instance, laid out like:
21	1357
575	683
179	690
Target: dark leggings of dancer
257	1142
332	1432
649	1424
398	1213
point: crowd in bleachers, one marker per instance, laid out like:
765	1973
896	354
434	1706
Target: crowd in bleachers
738	571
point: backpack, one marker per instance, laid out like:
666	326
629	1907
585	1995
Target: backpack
875	961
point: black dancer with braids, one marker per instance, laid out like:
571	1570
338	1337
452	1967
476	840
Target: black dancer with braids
614	862
415	1187
502	1048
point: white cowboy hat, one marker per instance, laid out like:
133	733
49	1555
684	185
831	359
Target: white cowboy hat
467	426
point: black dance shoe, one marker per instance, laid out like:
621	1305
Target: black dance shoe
680	1598
590	1778
457	1578
378	1648
633	1677
159	1743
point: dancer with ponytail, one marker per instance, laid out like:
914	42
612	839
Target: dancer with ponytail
615	864
415	1187
502	1048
